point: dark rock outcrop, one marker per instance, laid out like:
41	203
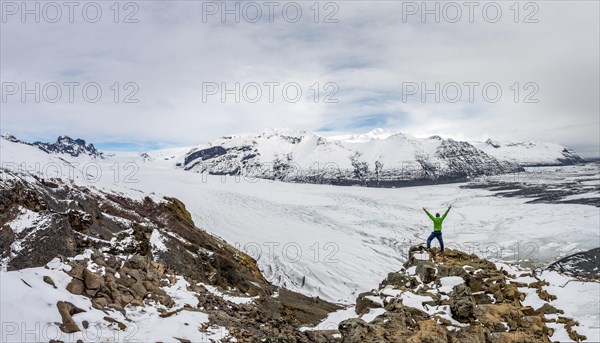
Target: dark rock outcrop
583	264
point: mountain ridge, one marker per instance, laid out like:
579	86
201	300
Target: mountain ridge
63	145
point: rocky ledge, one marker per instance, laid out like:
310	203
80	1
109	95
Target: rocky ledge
455	297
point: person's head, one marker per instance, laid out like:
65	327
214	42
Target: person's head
437	214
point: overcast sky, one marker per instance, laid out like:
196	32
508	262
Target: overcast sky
368	62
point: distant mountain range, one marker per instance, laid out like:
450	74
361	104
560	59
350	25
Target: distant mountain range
374	159
378	158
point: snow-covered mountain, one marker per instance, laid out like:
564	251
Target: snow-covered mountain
379	158
63	145
385	161
529	153
526	153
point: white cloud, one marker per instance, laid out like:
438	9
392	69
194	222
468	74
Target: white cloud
369	53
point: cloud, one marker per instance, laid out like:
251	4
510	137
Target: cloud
361	65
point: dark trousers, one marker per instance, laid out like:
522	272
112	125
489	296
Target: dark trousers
438	235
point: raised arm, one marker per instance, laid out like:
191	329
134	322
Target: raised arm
446	213
429	214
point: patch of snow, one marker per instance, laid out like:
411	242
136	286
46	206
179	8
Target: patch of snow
231	298
449	282
372	314
414	300
578	299
25	220
333	319
375	299
180	294
560	333
157	242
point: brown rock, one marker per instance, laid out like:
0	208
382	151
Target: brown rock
99	303
116	306
119	324
462	304
548	309
363	305
49	281
166	300
358	331
137	302
149	285
126	298
92	280
426	271
76	270
91	292
66	311
527	311
139	289
100	261
134	273
125	281
76	286
429	332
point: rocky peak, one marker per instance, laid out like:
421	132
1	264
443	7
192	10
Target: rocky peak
9	137
494	144
70	146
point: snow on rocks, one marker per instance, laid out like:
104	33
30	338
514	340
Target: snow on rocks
38	311
467	299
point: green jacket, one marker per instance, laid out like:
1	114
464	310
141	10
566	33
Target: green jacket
437	221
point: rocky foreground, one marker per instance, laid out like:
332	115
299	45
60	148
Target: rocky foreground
455	297
113	264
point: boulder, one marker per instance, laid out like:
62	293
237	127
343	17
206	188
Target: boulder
139	289
399	280
76	270
364	304
92	280
548	309
426	271
49	281
99	303
462	304
76	286
429	332
356	330
66	311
